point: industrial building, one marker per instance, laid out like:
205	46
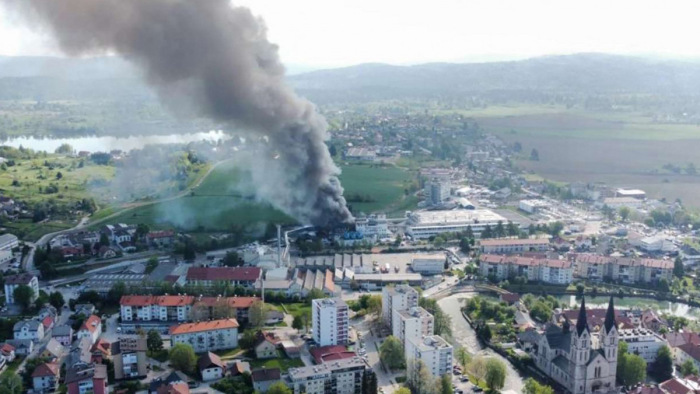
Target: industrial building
426	224
513	245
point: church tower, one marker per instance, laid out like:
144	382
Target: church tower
580	350
609	338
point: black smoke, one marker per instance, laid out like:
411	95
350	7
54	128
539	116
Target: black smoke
209	58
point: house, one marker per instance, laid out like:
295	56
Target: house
14	281
106	252
129	357
239	367
273	317
23	347
101	350
266	345
263	378
53	350
91	328
211	367
84	309
87	378
161	239
45	377
163	384
47	322
7	352
47	311
80	352
324	354
174	388
63	334
206	336
687	352
28	329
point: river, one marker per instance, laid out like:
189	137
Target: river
662	307
465	336
108	143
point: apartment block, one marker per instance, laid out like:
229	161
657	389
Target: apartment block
330	321
397	297
206	336
508	246
642	342
335	377
502	267
434	351
624	269
413	323
180	308
129	357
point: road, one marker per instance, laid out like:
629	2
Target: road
465	336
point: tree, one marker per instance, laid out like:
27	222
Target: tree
663	366
487	232
56	300
104	240
624	213
688	368
446	384
403	390
534	387
154	341
391	353
248	340
257	314
59	175
678	269
631	368
189	253
23	296
152	264
182	357
116	292
64	149
279	388
142	230
495	374
463	357
232	260
477	368
374	306
419	379
298	323
534	155
315	294
11	383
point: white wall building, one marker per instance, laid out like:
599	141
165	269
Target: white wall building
28	329
511	245
501	267
330	321
207	336
13	281
399	297
427	266
424	224
642	342
434	351
414	323
374	225
338	377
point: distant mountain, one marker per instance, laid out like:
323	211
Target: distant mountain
581	73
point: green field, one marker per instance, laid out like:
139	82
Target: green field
224	200
622	149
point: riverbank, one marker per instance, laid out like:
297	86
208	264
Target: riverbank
465	336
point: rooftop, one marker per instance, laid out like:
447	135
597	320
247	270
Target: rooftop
224	273
511	241
454	217
20	279
431	342
326	368
204	326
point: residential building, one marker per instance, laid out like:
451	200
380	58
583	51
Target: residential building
334	377
87	378
207	336
266	345
45	377
425	224
211	367
330	321
80	352
180	308
28	329
687	352
434	351
129	358
499	267
91	328
233	276
324	354
642	342
173	383
84	309
8	242
102	350
412	323
427	266
161	239
397	297
263	378
53	350
624	269
23	347
513	245
7	352
14	281
581	361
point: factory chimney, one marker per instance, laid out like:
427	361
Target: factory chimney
279	246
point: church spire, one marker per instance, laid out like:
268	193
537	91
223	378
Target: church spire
582	322
610	317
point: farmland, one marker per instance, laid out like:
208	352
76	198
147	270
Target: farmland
626	150
225	199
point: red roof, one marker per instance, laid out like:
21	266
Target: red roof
675	386
330	353
596	316
224	273
174	300
174	388
90	324
47	322
204	326
46	369
7	348
160	234
136	300
102	346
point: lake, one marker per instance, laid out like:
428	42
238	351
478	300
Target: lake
108	143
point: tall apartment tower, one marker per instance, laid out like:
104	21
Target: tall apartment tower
413	323
330	321
399	297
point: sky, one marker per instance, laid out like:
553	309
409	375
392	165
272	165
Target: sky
334	33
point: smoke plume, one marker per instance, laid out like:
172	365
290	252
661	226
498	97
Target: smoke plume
215	59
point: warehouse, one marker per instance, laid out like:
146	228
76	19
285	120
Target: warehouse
426	224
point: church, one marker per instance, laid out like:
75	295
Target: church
581	361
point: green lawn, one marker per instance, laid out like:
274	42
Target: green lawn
228	353
282	363
297	308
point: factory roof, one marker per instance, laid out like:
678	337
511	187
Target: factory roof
457	216
224	273
511	241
